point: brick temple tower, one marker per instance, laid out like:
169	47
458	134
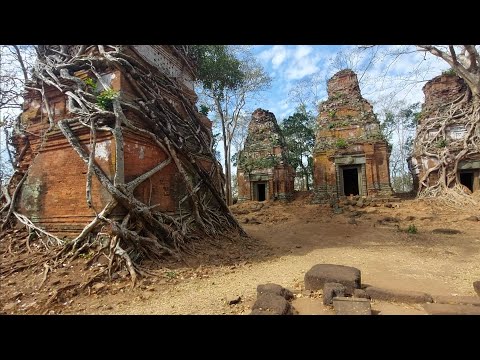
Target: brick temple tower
263	172
440	93
351	157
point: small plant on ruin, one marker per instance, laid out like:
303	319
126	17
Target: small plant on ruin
449	72
91	83
332	113
441	143
341	143
171	274
412	229
105	99
204	109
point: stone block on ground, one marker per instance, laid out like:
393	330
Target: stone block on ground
446	231
476	287
320	274
273	303
332	290
352	221
262	312
232	300
352	306
450	309
403	296
274	289
360	293
459	300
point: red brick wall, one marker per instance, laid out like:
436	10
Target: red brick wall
142	155
54	193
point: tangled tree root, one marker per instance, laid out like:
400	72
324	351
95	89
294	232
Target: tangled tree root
432	143
456	197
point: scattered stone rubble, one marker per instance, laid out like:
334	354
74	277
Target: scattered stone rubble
342	290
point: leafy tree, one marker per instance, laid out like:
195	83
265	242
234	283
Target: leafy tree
398	127
16	62
299	133
229	76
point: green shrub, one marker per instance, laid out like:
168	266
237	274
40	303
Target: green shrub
341	143
105	99
441	143
204	109
449	72
171	274
91	83
412	229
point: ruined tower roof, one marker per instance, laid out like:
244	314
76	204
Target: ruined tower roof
443	89
345	114
262	127
264	135
345	104
344	82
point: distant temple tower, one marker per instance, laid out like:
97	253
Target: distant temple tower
351	157
263	172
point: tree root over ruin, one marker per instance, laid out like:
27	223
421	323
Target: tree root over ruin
454	197
143	233
433	143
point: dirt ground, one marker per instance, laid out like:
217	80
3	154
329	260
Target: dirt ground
286	241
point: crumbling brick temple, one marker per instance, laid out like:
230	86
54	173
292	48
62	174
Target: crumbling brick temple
53	195
263	172
443	130
351	157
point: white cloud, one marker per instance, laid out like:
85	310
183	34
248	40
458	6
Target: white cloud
301	68
276	54
302	51
304	62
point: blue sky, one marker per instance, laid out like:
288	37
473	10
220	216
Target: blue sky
388	76
287	65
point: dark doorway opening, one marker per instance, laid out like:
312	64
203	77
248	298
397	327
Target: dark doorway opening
350	182
466	178
261	192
